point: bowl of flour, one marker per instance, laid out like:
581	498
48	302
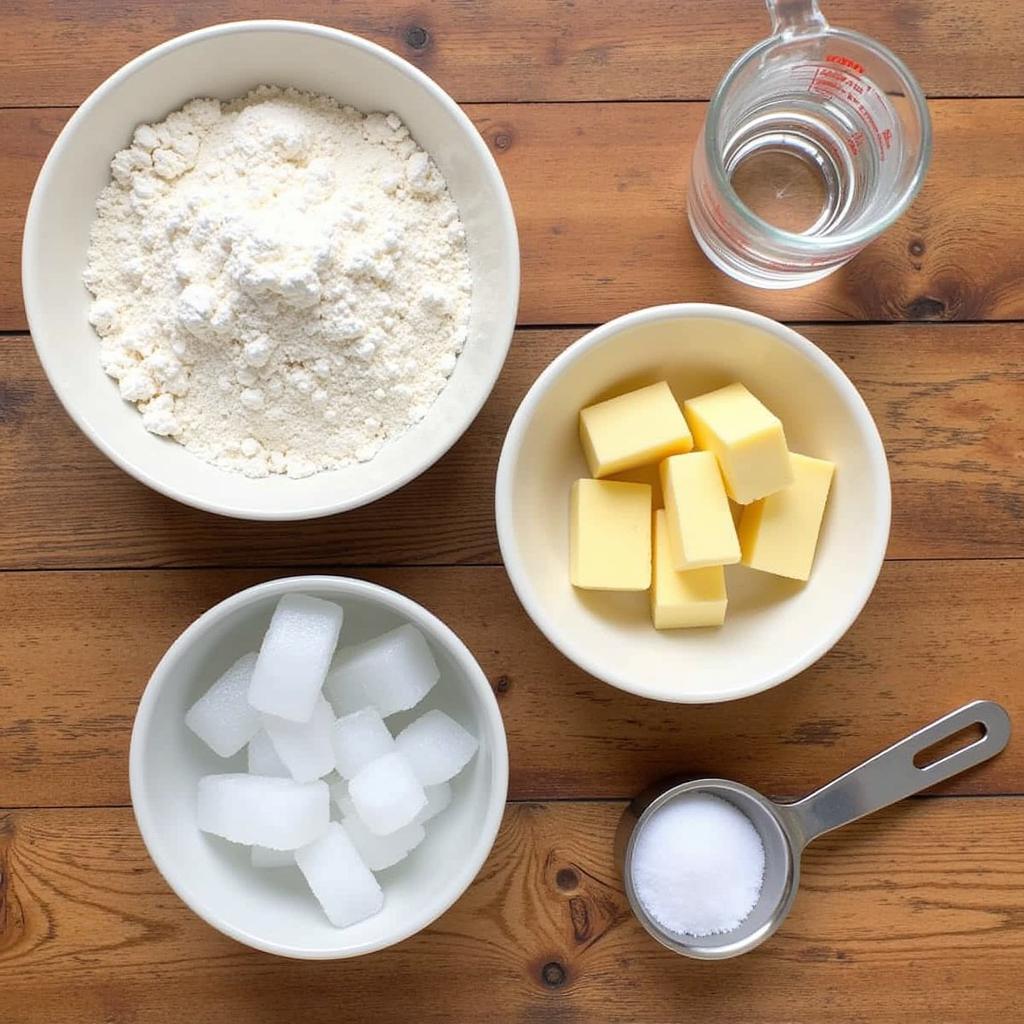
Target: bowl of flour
271	270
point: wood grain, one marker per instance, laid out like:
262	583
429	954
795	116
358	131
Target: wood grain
76	649
603	227
911	915
496	51
948	400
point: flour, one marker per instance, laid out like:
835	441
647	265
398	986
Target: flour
281	283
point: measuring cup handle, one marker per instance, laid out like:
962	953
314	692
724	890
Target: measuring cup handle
892	774
795	17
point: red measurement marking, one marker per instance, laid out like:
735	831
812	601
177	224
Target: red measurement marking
846	62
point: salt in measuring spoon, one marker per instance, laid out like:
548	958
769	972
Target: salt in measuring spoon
786	829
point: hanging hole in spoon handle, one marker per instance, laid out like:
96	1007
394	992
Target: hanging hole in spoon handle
893	775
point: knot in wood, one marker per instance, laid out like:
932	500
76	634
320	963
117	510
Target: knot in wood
567	880
417	37
553	974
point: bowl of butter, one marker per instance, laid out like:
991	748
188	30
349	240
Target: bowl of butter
693	503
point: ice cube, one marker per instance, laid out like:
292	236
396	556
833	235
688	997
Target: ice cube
339	794
436	746
295	656
346	697
380	852
263	759
386	794
255	810
439	797
341	882
263	857
222	718
360	738
394	672
304	747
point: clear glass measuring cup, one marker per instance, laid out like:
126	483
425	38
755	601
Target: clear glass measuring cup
815	141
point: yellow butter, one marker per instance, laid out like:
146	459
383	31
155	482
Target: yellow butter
700	526
639	427
610	535
746	438
779	534
650	475
680	600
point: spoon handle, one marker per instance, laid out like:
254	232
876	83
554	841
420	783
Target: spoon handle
892	774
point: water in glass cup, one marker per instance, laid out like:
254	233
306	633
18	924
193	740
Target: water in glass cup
815	141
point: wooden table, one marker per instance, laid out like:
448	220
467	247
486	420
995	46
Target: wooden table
591	109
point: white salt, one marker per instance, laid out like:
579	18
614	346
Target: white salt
436	746
341	882
304	747
263	759
386	794
698	866
278	813
358	739
380	852
439	798
295	656
393	672
263	857
222	718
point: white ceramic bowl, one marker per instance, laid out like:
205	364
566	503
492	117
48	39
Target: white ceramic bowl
774	627
274	910
225	62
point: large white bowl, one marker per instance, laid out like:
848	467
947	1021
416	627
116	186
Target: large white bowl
225	62
774	627
274	910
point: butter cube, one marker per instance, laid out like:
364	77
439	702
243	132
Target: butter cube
746	438
778	534
700	526
683	599
610	535
650	475
639	427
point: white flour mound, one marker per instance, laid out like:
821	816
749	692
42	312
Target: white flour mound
281	283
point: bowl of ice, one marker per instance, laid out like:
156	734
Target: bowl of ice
318	767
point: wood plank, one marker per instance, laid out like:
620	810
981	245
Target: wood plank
27	136
948	401
603	227
910	915
77	648
529	50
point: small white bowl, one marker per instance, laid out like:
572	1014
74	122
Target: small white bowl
273	909
225	62
774	628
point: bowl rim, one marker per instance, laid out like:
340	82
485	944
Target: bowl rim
876	540
35	311
453	886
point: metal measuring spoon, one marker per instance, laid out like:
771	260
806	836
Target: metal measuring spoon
786	829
